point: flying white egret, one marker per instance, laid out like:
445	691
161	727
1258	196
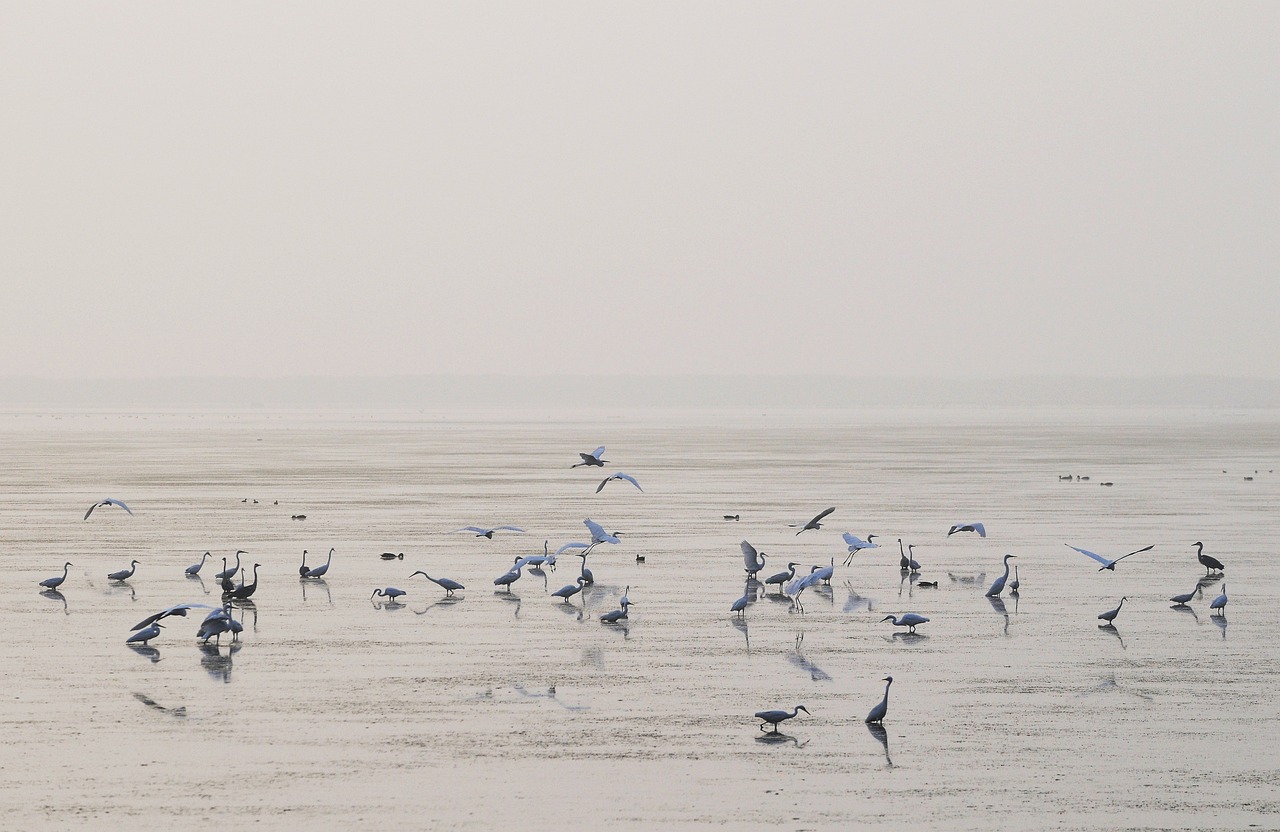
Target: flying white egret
488	533
968	527
1108	564
997	586
125	574
752	559
617	476
815	523
447	584
592	459
1210	564
909	620
1110	615
775	717
1219	604
320	571
1181	600
878	713
107	502
598	534
857	544
796	587
55	582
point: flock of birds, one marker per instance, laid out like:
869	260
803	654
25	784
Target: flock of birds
219	620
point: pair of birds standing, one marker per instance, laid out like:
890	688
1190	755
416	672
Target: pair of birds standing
776	717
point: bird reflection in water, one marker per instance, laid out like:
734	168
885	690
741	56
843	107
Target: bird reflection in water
778	738
878	731
198	579
150	653
1221	621
447	601
55	595
855	601
215	663
246	606
1111	629
997	604
313	583
740	624
798	659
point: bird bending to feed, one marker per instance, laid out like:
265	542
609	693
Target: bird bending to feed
815	523
107	502
1108	564
1210	564
144	635
447	584
752	560
878	712
194	569
125	574
319	571
55	582
617	476
567	592
1110	615
857	544
1219	604
781	577
910	620
1181	600
968	527
489	532
591	459
391	593
775	717
997	586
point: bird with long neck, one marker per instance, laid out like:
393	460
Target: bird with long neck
878	713
242	592
998	586
1210	564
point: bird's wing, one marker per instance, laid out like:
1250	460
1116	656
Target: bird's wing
823	514
980	529
749	552
852	539
509	529
1136	551
1099	558
597	530
475	529
952	530
601	486
118	503
598	452
628	478
573	546
90	511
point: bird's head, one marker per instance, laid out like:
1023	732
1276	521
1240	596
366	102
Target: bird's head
419	572
888	679
1007	557
872	537
887	618
1198	545
803	708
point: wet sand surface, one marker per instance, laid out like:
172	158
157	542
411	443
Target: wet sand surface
496	708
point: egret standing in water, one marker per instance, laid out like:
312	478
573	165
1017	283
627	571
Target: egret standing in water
998	586
781	577
775	717
145	634
1182	600
826	573
878	713
910	620
615	616
1210	564
567	592
740	606
231	573
1110	615
391	593
125	574
194	569
1219	604
320	571
447	584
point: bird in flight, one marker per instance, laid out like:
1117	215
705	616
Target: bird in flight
815	523
107	502
618	476
968	527
1108	564
489	532
592	459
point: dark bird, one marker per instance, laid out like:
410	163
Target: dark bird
1110	615
144	635
302	570
815	523
242	592
1108	564
194	569
781	578
54	583
1210	564
878	713
392	556
125	574
107	502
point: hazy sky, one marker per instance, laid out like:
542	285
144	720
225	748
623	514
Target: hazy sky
693	187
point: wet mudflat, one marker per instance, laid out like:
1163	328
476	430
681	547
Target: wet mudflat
514	708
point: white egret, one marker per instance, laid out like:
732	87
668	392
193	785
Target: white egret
146	634
617	615
782	577
796	587
1110	615
815	523
825	573
740	606
231	573
177	609
617	476
586	573
55	582
194	569
1220	603
447	584
598	534
107	502
125	574
592	459
878	713
1108	564
905	562
1181	600
320	571
997	586
488	533
775	717
857	544
968	527
1210	564
909	620
567	592
911	557
391	593
509	577
752	559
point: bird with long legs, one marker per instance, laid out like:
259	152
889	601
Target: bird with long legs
618	476
1219	604
857	544
776	718
1186	597
909	620
487	532
1109	616
56	581
752	560
567	592
977	528
194	569
243	592
779	579
592	460
1210	564
322	570
234	570
124	574
447	584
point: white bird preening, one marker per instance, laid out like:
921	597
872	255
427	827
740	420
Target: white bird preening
796	587
1108	564
815	523
488	533
125	574
909	620
752	560
617	476
1110	615
592	459
878	713
775	717
194	569
968	527
55	582
107	502
857	544
1219	604
997	586
447	584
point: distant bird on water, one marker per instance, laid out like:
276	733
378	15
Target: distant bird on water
125	574
1219	604
617	476
752	560
1110	615
774	718
107	502
878	713
1210	564
968	527
1108	564
54	583
997	586
815	523
910	620
592	459
489	532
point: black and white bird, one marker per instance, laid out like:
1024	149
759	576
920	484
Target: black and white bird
107	502
617	476
968	527
815	523
488	533
1108	564
593	459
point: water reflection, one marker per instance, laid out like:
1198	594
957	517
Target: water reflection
855	601
447	601
1111	629
1183	608
797	658
150	653
55	595
777	738
198	579
740	624
879	732
1221	621
215	663
314	582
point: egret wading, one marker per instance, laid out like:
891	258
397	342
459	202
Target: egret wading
878	713
1016	584
230	573
781	577
145	634
752	560
194	569
775	718
391	593
243	592
320	571
1185	598
1110	615
909	620
997	586
1219	604
54	583
447	584
567	592
125	574
617	615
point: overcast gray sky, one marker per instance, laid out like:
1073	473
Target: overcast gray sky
311	188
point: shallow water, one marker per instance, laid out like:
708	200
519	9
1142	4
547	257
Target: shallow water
514	708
